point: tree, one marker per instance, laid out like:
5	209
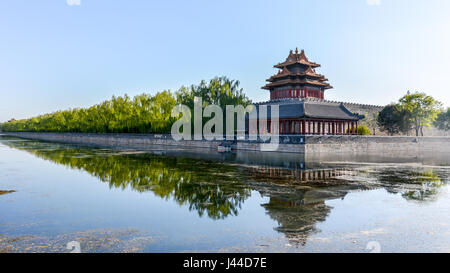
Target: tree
142	114
422	110
219	90
393	120
442	121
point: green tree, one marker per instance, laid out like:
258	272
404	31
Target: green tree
219	90
393	120
442	121
422	110
141	114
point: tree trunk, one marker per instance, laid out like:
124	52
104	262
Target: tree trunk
417	131
421	130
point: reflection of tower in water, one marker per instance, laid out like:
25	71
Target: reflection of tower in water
295	219
281	175
296	198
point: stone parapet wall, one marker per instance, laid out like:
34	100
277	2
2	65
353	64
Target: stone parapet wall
309	145
344	139
138	141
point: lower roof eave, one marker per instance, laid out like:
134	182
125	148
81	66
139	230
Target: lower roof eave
333	118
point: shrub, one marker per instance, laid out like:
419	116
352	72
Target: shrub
364	131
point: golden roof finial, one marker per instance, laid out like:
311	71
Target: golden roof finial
296	50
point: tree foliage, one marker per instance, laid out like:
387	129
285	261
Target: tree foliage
413	111
393	120
422	110
219	90
141	114
442	121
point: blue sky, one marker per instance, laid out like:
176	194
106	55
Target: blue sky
58	54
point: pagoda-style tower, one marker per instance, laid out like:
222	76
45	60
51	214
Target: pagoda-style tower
297	78
299	92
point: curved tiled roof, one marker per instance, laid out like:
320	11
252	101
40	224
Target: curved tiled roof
306	109
297	82
285	73
292	76
296	58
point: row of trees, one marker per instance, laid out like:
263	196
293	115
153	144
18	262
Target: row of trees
142	114
413	112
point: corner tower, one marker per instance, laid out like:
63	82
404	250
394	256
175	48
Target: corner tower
297	78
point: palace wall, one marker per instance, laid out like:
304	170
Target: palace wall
362	109
133	141
310	146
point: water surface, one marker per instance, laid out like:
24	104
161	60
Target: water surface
118	200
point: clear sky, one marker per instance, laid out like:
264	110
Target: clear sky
57	54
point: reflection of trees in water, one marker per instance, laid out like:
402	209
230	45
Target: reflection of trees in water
418	185
207	187
296	196
429	185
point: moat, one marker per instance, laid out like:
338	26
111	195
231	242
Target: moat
203	201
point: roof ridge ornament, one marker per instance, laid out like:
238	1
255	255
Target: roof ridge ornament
303	55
